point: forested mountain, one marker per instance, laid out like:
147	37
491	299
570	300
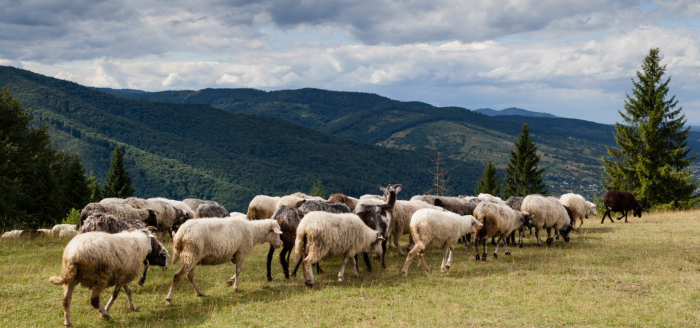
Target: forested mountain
513	111
571	149
185	150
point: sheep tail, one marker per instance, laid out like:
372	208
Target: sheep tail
67	274
299	246
177	248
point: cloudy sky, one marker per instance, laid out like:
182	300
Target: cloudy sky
571	58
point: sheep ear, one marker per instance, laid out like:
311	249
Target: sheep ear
380	237
478	223
131	230
276	230
151	228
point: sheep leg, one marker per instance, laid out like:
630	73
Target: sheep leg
506	245
270	254
449	259
537	235
318	268
383	253
365	256
95	302
521	235
127	290
113	298
143	276
170	232
396	243
238	261
493	241
498	244
67	296
421	258
190	277
342	269
476	247
296	267
549	237
176	278
417	248
284	260
354	267
445	254
483	242
622	214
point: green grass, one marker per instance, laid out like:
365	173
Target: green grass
645	273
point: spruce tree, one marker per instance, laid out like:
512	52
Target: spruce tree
94	187
74	186
652	160
522	175
489	184
118	182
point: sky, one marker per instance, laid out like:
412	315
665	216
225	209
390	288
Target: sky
569	58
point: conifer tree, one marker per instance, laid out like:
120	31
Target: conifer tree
652	160
94	187
75	192
317	190
522	175
118	182
489	184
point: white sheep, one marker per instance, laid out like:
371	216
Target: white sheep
499	220
262	207
578	206
177	204
403	211
322	234
64	230
491	198
593	210
237	215
213	241
98	260
12	234
436	227
369	196
548	213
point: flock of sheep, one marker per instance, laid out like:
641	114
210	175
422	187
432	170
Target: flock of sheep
116	236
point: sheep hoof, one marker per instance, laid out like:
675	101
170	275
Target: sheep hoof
309	284
229	283
483	257
168	302
269	279
495	255
507	253
67	324
383	266
477	257
135	309
549	241
520	245
105	317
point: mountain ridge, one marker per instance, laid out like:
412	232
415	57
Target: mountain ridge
513	111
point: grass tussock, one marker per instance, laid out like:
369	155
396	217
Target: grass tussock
645	273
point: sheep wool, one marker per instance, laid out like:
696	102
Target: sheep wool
499	220
262	207
435	227
321	234
491	198
98	260
547	212
213	241
578	206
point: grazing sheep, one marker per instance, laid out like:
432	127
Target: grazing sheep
178	205
213	211
491	198
305	196
288	219
237	215
401	219
16	234
98	260
499	220
515	202
347	200
262	207
210	211
592	210
63	230
289	201
122	211
111	224
321	234
168	215
434	227
452	204
213	241
549	213
578	207
620	201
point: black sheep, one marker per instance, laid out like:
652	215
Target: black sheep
620	201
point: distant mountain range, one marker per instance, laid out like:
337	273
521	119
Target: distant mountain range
513	111
231	144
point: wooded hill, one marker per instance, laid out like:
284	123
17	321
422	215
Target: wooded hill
185	150
571	149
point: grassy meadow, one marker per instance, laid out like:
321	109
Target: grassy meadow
642	274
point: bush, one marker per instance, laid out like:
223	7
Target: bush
73	217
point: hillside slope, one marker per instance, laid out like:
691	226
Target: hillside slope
181	151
